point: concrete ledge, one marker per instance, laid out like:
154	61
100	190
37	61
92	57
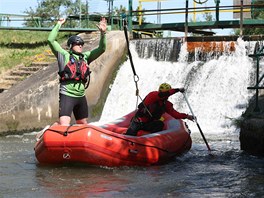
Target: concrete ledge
252	136
252	128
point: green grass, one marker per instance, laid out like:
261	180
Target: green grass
22	47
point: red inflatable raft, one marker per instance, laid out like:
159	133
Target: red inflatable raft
106	145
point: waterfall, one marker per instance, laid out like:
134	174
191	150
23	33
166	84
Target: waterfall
216	89
160	49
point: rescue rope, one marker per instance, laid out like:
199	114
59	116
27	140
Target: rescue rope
136	78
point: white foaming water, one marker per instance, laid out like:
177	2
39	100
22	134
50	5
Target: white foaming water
216	90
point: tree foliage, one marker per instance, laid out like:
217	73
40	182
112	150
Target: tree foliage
120	11
48	11
256	13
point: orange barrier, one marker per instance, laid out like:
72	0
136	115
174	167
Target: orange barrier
211	46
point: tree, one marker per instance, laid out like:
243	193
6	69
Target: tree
49	11
208	16
256	13
137	17
119	11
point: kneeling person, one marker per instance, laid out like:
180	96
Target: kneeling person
150	110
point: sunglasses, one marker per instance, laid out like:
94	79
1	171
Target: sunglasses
78	43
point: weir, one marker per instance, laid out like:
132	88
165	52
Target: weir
168	49
216	87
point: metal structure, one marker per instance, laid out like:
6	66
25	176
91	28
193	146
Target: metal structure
8	18
110	11
246	12
150	28
256	56
195	27
140	9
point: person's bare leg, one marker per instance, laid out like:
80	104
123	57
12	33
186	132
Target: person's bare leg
82	121
55	123
65	120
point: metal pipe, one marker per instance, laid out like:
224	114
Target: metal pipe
199	8
241	18
257	90
186	19
130	9
80	16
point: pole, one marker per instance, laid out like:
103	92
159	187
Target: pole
195	119
80	15
158	12
194	11
130	17
112	18
87	14
186	19
257	109
217	10
241	18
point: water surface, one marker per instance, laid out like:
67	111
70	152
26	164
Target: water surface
228	173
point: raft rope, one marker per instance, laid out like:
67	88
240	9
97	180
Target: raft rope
65	133
67	130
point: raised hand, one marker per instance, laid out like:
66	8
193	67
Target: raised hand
102	25
182	90
190	117
61	21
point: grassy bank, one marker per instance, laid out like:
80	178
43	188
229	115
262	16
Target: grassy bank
18	46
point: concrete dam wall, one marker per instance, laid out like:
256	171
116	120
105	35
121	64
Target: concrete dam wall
33	103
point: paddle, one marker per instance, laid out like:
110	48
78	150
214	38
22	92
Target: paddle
195	119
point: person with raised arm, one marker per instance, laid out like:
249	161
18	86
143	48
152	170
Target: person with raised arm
74	72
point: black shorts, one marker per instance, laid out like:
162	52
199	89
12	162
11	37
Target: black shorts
78	106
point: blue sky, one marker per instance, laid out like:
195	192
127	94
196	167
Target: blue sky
19	6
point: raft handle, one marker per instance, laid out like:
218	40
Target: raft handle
133	151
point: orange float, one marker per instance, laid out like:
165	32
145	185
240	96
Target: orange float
106	145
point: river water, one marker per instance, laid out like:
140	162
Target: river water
228	172
217	92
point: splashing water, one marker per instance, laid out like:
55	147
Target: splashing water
216	89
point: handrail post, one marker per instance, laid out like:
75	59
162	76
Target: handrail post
257	55
241	18
130	17
217	10
186	19
257	90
